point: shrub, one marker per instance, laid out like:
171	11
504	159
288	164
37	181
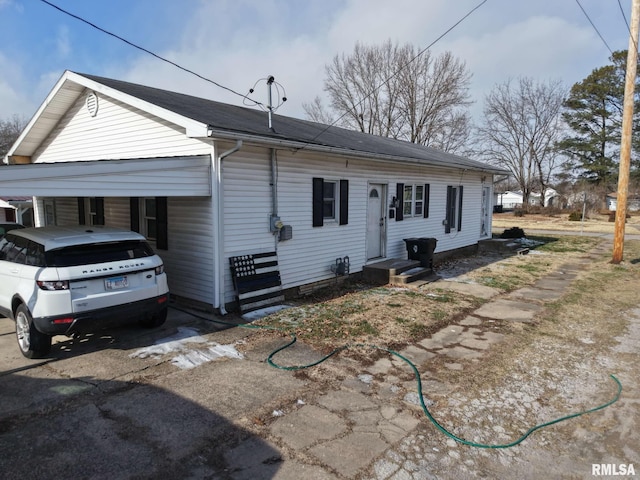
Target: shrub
575	216
518	212
612	216
513	232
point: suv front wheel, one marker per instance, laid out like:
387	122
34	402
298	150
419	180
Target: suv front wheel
32	343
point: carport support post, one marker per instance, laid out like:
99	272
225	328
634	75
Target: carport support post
625	146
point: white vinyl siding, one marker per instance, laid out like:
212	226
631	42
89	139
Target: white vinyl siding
189	259
308	256
160	177
117	131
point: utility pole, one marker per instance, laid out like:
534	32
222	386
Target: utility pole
625	146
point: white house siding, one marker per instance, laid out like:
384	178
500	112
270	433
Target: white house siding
117	131
308	256
189	259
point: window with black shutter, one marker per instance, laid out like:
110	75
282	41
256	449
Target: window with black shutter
330	201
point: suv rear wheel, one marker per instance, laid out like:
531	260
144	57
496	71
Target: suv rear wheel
32	343
156	320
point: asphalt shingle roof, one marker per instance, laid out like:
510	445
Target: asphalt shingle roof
237	120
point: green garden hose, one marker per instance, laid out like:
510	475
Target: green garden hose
426	411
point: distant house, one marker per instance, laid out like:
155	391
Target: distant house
17	209
7	212
206	181
633	202
514	199
509	199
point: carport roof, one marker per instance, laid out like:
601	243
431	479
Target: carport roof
206	118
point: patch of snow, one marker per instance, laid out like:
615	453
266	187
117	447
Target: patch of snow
366	378
277	413
263	312
189	357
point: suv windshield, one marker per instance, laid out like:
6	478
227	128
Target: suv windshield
97	253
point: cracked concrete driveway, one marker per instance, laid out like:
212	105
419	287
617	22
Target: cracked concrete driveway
190	401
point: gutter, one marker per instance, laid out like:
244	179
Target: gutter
218	223
301	145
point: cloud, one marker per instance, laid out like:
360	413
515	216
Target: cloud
63	43
529	48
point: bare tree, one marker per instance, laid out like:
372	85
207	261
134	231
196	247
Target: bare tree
10	130
394	91
520	129
317	112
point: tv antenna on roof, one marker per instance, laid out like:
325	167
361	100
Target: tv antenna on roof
270	108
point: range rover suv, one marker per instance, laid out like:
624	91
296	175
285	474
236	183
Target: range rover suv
73	280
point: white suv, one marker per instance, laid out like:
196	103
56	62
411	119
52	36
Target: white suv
72	280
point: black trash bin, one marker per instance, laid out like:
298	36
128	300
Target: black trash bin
421	249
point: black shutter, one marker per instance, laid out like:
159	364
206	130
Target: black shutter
447	224
318	202
425	208
134	213
399	201
460	209
162	224
99	211
81	212
344	202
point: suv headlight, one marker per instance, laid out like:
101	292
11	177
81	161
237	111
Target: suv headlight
54	285
160	269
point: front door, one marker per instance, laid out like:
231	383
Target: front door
376	221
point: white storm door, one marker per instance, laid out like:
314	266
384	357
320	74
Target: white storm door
486	212
375	221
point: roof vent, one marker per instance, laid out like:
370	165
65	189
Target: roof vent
92	104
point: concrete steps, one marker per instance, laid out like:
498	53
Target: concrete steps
397	271
422	274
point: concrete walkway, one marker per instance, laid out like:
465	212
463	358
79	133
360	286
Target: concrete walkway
122	406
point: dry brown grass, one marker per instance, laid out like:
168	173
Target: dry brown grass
595	223
392	316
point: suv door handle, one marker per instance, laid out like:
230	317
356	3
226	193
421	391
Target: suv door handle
16	270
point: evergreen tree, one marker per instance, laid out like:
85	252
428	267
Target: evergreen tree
593	113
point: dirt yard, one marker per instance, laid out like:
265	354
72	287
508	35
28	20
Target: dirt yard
595	223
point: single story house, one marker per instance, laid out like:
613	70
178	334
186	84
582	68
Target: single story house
7	211
206	181
508	199
17	209
633	202
514	199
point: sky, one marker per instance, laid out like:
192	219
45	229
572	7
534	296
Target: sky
239	43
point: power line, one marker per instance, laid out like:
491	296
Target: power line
594	27
150	52
397	72
628	26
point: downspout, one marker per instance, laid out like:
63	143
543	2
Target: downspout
274	187
219	294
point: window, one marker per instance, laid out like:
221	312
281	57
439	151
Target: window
149	216
49	212
330	201
413	200
453	218
97	253
91	211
